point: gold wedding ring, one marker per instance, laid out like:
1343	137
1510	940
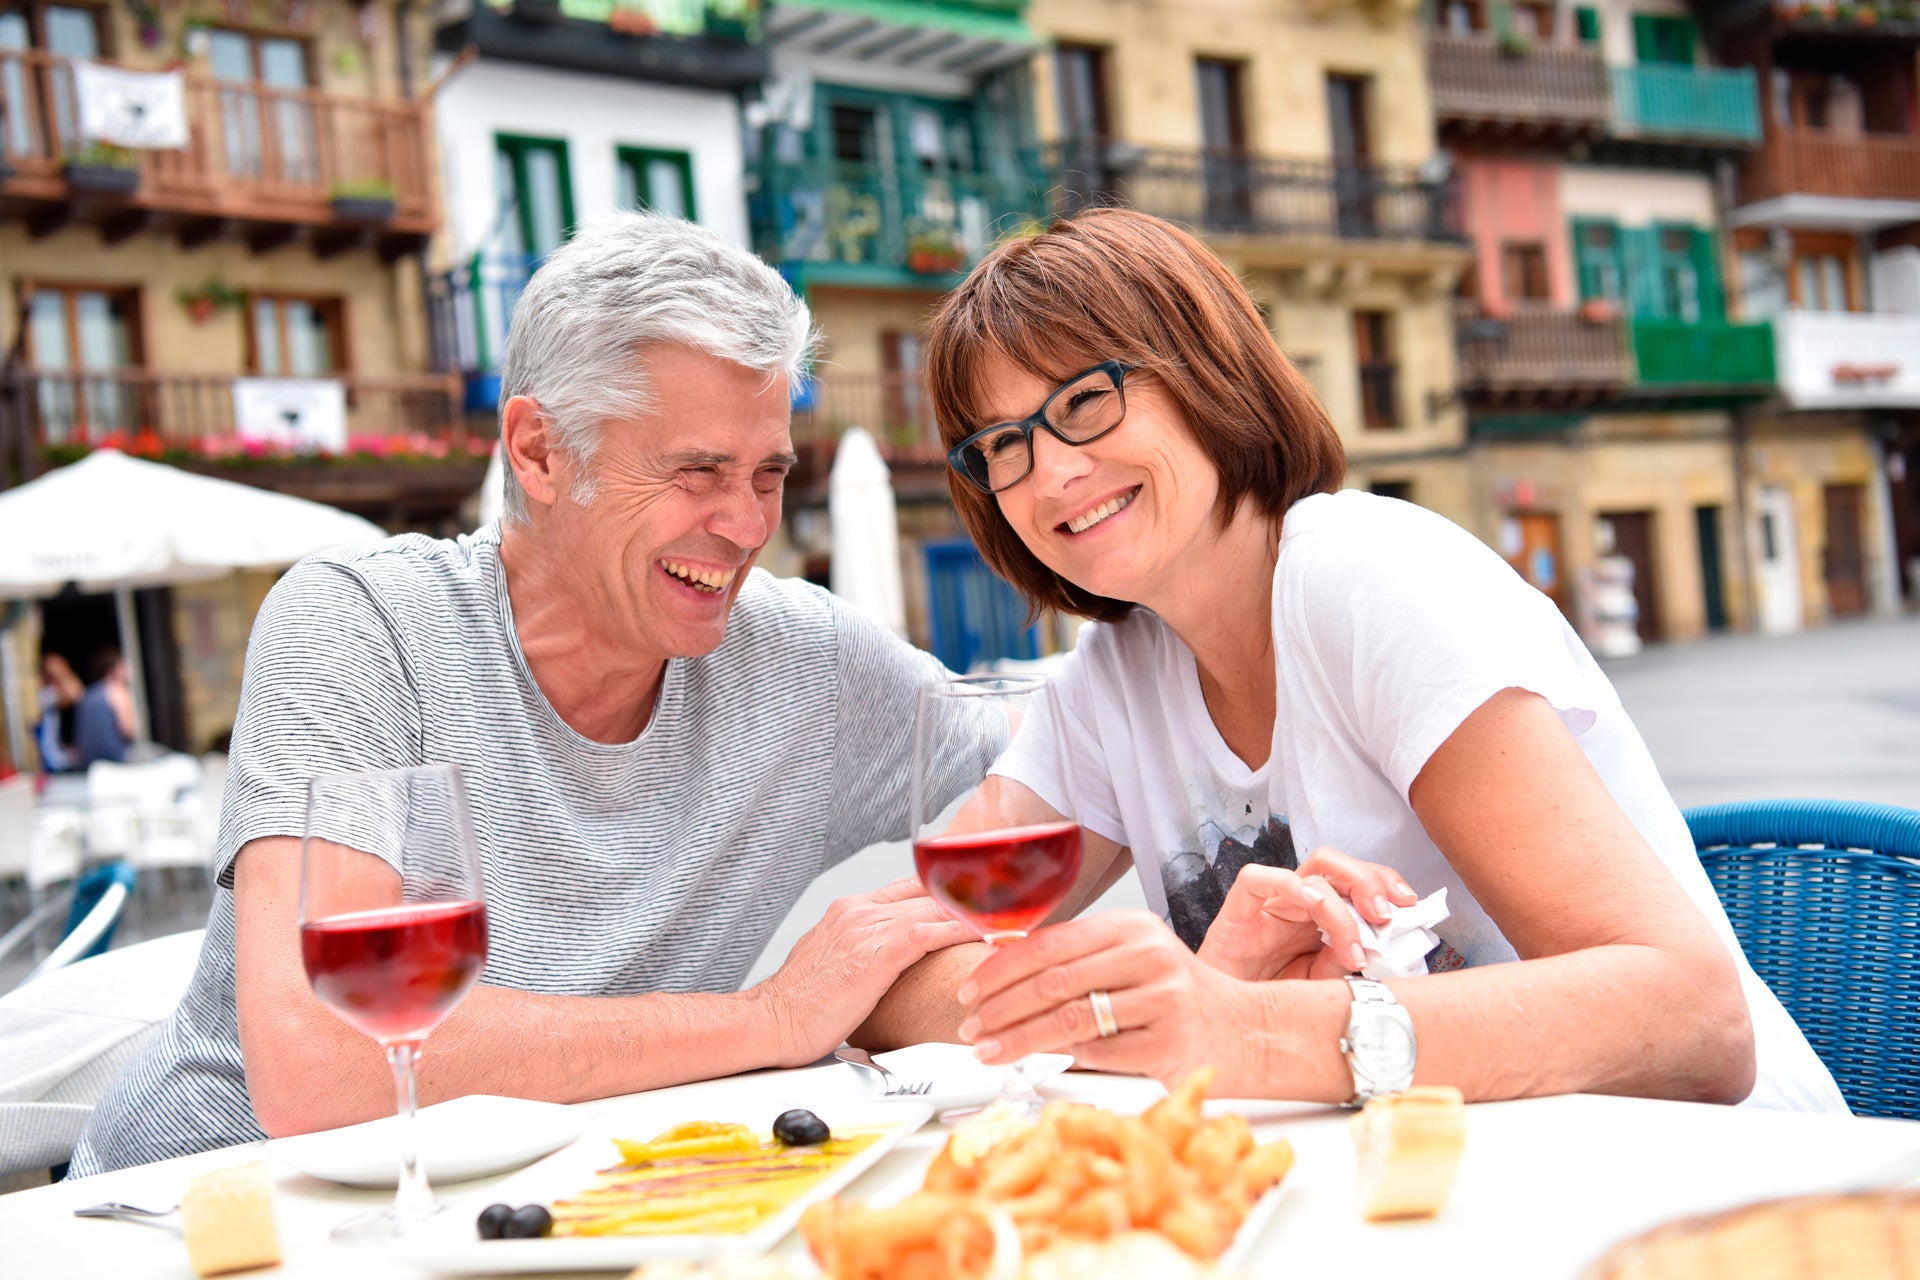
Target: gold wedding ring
1103	1020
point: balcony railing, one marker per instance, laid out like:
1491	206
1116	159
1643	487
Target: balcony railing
1869	166
192	411
1233	193
254	152
1476	79
467	312
1709	104
1675	353
874	216
1848	360
892	406
1549	352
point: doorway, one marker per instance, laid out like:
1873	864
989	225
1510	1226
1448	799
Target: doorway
1533	546
1633	539
1846	552
1713	586
1778	546
80	627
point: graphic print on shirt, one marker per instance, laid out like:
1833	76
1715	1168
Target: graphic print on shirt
1197	883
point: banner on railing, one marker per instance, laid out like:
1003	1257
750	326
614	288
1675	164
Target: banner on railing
143	109
302	414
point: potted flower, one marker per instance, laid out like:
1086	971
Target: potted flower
368	200
628	21
1599	310
935	251
204	300
101	168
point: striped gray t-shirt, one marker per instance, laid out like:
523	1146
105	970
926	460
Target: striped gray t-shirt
661	864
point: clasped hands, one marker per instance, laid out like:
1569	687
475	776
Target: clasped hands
1175	1009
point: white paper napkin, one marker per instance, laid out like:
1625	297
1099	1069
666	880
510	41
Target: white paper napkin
1398	948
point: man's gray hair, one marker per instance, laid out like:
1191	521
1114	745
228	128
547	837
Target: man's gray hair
625	281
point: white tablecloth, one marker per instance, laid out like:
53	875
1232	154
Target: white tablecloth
1545	1185
65	1036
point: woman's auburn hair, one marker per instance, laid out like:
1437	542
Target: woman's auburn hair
1116	284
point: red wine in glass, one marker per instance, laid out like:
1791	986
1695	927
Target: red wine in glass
395	973
1004	882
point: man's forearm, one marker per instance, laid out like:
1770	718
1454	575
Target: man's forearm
921	1006
309	1071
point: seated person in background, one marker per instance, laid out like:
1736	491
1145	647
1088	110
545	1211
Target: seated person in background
60	694
1275	665
663	747
104	723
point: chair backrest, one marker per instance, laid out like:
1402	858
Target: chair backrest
16	826
1825	898
98	899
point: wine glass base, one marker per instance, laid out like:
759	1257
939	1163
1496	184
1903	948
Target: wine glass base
382	1226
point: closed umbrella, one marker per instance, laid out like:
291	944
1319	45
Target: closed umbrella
113	523
866	532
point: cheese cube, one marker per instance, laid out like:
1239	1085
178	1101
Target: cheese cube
1408	1148
227	1219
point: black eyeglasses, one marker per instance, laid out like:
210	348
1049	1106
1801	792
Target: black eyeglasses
1080	411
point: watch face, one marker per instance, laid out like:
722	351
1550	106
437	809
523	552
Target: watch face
1383	1046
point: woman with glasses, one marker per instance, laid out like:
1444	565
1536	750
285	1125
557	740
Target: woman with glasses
1292	697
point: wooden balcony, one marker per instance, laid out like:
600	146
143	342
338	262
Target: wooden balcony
267	163
1543	91
1541	358
1864	166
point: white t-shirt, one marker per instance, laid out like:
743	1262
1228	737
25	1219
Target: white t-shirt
1391	625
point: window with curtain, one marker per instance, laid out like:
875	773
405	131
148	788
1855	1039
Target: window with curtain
1598	260
296	337
1379	370
535	193
1523	271
1081	72
660	181
81	340
267	125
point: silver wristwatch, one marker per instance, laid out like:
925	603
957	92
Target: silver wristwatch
1379	1044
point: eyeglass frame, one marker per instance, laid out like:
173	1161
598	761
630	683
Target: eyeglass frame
1037	420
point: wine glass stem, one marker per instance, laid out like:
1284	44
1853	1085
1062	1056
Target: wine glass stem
1018	1086
412	1197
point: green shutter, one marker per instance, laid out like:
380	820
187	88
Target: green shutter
1586	21
1660	38
1640	250
1706	271
1590	262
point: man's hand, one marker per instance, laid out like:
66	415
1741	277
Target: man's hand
1272	922
842	966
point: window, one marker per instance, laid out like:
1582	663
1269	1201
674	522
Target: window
1379	374
1084	106
1463	17
1596	248
68	31
536	195
1533	19
660	181
295	337
1586	24
1822	278
1763	289
1401	489
1223	112
901	358
856	134
1348	118
1523	271
1678	276
1663	38
263	79
73	331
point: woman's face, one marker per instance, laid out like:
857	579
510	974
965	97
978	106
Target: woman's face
1120	517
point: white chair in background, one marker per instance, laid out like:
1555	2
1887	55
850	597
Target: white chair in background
40	847
16	835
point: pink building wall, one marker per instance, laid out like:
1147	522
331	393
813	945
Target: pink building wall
1515	200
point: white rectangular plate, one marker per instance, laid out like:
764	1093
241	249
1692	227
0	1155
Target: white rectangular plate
450	1245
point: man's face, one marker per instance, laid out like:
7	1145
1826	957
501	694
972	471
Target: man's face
686	497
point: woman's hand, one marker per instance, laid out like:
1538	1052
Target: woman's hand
1273	921
1174	1013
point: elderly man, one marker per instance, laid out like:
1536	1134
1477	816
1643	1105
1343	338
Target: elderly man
663	746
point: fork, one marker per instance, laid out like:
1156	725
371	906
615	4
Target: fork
894	1086
126	1212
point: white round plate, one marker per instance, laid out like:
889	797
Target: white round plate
959	1078
463	1138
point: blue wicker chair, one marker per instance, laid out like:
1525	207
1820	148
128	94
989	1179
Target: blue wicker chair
1825	898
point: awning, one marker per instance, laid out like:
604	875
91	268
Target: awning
948	38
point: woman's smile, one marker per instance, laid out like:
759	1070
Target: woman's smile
1098	515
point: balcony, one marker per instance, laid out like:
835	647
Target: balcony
1673	353
1865	166
467	312
267	160
1713	105
1549	90
1534	358
1232	193
892	406
838	223
1848	360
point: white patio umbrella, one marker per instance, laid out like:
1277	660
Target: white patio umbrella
113	523
866	533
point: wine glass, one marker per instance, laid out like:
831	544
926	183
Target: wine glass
1007	857
393	931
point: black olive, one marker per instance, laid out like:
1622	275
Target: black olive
801	1129
493	1221
528	1221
